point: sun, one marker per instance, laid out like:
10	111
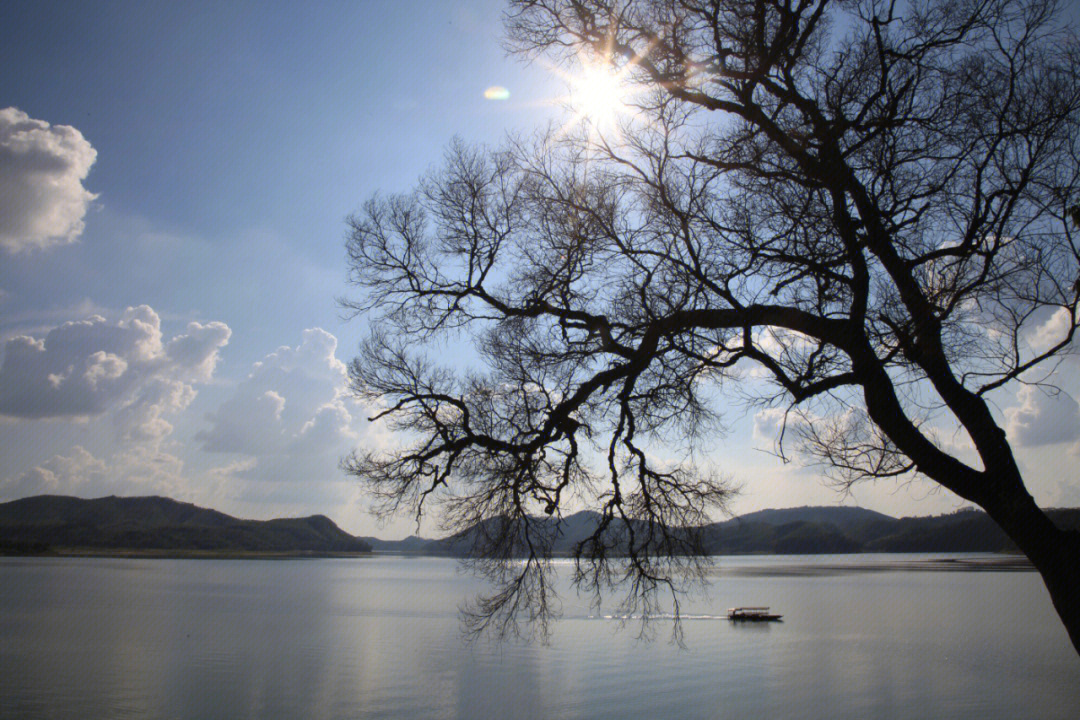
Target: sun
601	97
597	94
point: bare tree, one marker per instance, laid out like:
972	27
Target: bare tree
866	201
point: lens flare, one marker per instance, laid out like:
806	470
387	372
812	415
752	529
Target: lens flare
497	92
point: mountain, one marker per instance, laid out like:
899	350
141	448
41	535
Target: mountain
789	531
411	544
801	530
159	524
793	538
961	531
567	532
842	516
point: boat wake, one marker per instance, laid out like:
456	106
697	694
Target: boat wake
658	616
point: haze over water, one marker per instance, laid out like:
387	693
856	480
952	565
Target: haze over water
863	636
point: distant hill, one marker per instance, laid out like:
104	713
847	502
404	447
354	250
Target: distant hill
789	531
566	531
962	531
842	516
411	544
849	529
52	522
802	530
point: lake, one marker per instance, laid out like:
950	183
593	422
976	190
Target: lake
863	636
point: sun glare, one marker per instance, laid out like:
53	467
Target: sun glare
600	96
596	94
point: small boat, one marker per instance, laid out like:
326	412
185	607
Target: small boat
752	614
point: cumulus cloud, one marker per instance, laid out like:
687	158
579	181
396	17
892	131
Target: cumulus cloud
60	474
138	470
778	343
1067	495
329	428
1042	418
278	434
1053	329
290	422
88	367
292	402
141	418
773	424
42	168
767	424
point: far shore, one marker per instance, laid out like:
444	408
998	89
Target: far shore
987	561
160	554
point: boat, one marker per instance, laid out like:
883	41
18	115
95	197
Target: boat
752	614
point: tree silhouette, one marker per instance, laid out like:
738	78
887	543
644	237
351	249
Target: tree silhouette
856	211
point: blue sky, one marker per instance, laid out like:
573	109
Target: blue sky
233	139
194	297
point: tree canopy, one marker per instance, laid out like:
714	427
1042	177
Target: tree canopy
857	211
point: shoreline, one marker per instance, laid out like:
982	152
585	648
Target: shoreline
160	554
1001	561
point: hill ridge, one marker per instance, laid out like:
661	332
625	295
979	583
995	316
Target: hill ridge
157	523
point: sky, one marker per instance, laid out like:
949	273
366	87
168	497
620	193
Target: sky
174	183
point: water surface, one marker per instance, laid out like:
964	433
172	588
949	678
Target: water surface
862	636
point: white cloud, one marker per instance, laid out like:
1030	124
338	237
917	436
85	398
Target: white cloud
292	402
771	425
58	475
289	423
86	368
1052	330
1066	495
778	343
284	427
141	419
767	424
138	470
1042	418
42	168
194	353
331	427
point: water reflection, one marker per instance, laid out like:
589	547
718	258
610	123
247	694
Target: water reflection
380	638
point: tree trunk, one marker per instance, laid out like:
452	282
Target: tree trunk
1061	573
1054	552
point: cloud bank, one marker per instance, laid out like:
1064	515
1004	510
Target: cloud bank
291	403
85	368
285	428
42	168
136	470
1043	418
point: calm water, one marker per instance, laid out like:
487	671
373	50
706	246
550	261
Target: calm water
862	637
